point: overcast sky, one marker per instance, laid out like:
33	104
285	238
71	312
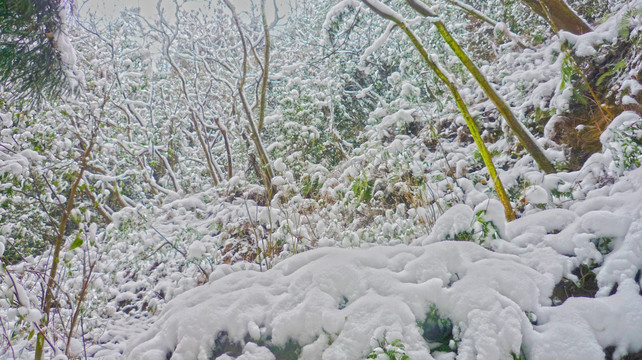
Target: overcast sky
111	8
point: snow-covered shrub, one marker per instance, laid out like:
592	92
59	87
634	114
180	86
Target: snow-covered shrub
624	139
29	172
343	303
594	10
368	151
388	351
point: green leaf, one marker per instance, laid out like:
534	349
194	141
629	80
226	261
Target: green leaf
619	66
567	71
77	242
397	343
623	30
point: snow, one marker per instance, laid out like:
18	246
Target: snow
378	43
383	9
544	222
605	224
364	260
333	301
33	315
196	250
337	9
279	165
626	119
632	86
342	303
22	297
536	195
75	347
6	120
354	294
627	100
590	324
455	220
62	41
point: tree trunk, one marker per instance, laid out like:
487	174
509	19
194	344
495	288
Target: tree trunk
559	15
266	168
266	68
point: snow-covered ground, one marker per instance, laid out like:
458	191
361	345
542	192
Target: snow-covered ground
192	276
349	303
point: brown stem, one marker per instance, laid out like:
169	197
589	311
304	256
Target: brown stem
266	68
170	171
77	311
266	168
228	150
561	15
201	140
211	167
94	201
60	239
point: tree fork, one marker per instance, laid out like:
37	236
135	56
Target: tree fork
266	168
559	15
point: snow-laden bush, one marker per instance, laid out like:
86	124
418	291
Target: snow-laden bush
623	138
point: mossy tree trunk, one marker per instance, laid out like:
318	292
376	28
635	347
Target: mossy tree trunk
387	13
524	136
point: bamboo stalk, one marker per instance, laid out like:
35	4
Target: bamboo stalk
389	14
524	136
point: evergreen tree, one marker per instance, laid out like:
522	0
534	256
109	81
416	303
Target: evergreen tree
30	63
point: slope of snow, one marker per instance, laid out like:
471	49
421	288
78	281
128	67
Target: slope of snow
344	303
184	278
351	303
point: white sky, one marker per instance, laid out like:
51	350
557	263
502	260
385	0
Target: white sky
111	8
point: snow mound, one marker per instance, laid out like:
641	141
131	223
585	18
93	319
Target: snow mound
334	302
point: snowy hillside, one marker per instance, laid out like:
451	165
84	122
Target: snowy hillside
353	202
349	303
